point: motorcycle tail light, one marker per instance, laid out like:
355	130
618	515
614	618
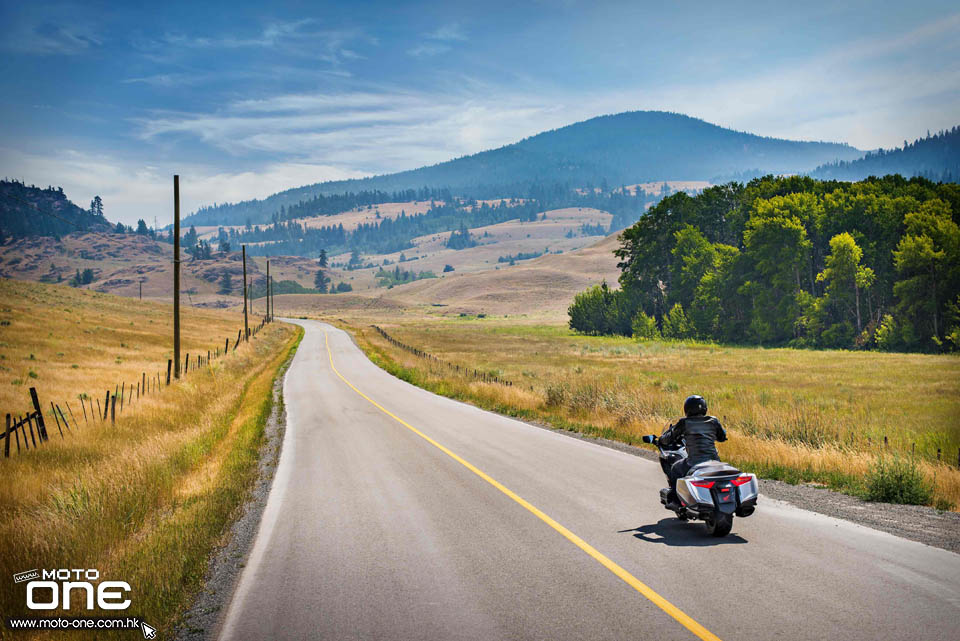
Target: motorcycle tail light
706	484
741	480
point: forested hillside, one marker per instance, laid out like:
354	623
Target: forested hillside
287	235
791	261
626	148
936	157
32	211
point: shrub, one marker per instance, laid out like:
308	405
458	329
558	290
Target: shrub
898	480
556	394
887	336
644	327
675	323
601	310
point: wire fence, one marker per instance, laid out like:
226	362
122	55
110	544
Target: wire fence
479	375
31	430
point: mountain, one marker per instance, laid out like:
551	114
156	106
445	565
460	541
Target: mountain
626	148
32	211
935	157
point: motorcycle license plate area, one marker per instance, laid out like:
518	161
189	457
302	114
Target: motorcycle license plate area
726	495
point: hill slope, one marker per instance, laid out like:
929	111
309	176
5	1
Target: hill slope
620	149
545	285
31	211
935	157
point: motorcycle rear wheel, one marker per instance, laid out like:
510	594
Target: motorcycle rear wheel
719	524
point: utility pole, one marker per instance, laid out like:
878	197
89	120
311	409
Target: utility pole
176	275
246	330
268	291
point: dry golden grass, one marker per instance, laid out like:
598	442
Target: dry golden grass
143	501
801	416
67	342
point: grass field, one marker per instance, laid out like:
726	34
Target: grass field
801	416
146	500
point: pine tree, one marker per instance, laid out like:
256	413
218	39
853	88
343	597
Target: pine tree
321	282
226	283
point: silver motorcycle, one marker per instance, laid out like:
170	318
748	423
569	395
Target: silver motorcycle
711	491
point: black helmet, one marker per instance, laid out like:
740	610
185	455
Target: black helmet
695	406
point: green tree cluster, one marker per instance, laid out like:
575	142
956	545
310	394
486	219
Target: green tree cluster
794	261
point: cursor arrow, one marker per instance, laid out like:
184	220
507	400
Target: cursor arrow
149	632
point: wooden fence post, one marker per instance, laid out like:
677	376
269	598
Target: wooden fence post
123	392
63	417
84	408
113	411
16	432
72	417
100	414
32	437
186	363
41	426
169	365
52	409
6	440
226	346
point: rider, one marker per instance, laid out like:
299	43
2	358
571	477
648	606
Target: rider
699	433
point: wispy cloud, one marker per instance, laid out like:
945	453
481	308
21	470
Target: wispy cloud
46	37
438	41
428	49
448	33
299	38
366	131
132	190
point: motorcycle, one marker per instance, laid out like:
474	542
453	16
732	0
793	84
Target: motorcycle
711	491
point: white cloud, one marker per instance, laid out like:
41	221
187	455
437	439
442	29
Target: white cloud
132	190
428	49
448	32
438	41
364	131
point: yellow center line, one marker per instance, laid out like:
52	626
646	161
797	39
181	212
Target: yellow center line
675	612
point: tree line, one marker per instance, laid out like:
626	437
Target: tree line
936	157
791	261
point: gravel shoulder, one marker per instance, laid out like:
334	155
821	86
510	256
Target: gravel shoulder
914	522
202	621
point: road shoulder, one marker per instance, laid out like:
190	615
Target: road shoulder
205	617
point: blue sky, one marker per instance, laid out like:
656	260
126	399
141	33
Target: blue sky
244	99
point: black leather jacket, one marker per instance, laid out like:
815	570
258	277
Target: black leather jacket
699	434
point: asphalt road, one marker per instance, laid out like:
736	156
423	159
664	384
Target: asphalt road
397	514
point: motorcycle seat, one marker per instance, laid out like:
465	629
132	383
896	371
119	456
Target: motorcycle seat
713	468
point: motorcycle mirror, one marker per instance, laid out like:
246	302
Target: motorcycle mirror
649	438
